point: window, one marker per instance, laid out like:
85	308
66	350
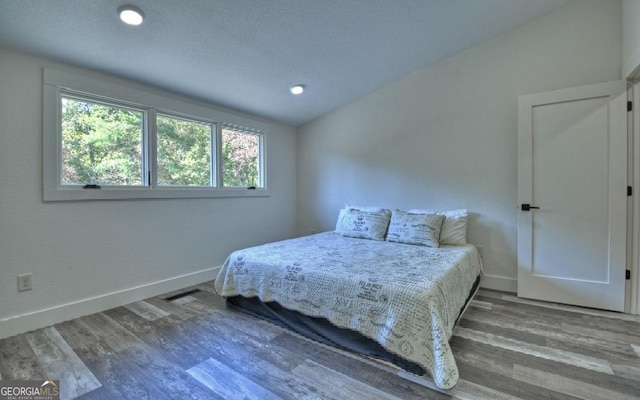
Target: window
103	140
184	152
240	158
101	143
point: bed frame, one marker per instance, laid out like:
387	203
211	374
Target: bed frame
321	330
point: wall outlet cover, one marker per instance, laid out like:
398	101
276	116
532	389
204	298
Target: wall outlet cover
24	282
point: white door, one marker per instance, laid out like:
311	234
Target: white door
572	164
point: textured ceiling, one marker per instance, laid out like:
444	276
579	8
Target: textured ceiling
245	54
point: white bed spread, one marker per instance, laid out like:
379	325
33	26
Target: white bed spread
405	297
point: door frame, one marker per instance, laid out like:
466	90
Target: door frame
634	299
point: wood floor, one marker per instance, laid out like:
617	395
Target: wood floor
195	348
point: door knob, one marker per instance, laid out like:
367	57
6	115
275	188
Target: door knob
528	207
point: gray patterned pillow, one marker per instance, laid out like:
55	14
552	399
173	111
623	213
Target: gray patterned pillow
363	224
420	229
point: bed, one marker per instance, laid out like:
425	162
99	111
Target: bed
392	300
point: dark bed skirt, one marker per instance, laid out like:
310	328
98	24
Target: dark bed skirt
323	331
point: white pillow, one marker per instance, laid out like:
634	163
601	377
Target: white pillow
365	208
454	228
363	224
419	229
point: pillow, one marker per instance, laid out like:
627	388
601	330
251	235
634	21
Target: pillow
363	224
365	208
454	228
420	229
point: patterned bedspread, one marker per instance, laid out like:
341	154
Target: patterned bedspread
405	297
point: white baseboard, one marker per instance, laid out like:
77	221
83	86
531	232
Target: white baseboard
49	316
497	282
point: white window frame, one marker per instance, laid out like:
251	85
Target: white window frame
118	92
213	149
106	102
261	155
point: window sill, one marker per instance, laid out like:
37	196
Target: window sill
79	194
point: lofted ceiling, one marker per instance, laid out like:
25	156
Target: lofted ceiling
245	54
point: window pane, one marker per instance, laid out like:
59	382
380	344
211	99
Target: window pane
101	144
240	158
184	152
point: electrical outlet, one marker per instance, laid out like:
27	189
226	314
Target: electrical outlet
24	282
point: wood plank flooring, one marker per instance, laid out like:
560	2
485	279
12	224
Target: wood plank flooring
195	348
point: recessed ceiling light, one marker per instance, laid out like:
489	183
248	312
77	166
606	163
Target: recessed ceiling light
130	15
297	89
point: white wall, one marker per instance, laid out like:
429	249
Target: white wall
631	38
446	136
80	250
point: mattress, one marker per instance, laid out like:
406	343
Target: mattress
406	298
